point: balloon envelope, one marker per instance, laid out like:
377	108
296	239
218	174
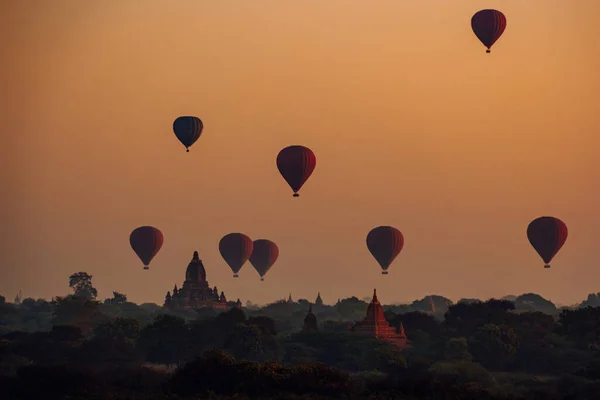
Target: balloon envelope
146	241
547	235
488	26
296	164
264	255
188	130
235	248
385	243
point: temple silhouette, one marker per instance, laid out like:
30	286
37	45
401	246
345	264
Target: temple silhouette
377	326
310	321
195	292
318	301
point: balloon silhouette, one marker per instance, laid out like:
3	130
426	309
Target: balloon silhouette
235	248
146	241
547	235
188	130
264	255
385	243
296	164
488	26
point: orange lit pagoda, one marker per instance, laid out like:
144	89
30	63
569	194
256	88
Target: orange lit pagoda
376	325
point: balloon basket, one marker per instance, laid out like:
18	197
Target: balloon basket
235	275
187	150
547	266
296	195
146	267
384	272
262	279
488	51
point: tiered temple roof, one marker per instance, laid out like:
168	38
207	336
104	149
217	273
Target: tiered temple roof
377	326
195	292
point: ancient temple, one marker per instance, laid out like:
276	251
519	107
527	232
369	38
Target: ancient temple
319	301
195	292
377	326
238	304
310	321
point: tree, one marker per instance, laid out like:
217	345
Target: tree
79	312
166	340
118	298
417	320
582	325
534	302
352	308
457	349
593	300
265	324
494	345
460	374
66	333
464	319
124	329
81	282
113	344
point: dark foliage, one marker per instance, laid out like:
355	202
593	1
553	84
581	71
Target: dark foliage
77	348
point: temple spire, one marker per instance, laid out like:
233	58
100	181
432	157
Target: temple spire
310	321
375	295
319	300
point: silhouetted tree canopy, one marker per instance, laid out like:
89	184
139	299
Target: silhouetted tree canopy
81	283
76	347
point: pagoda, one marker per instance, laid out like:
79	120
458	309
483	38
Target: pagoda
377	326
310	321
319	301
195	292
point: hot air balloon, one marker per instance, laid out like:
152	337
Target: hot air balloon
188	130
235	248
146	241
296	164
488	26
264	255
385	243
547	235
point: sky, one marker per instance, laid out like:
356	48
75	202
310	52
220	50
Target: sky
412	123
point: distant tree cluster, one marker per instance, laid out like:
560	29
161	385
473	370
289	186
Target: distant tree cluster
78	347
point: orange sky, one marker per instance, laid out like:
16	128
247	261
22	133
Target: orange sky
413	125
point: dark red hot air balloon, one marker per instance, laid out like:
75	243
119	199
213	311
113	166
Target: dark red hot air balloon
547	235
488	26
146	241
296	164
188	130
235	248
263	256
385	243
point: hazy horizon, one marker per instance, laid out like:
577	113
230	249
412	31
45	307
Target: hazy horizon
412	123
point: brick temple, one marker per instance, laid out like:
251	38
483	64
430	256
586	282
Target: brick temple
195	292
377	326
